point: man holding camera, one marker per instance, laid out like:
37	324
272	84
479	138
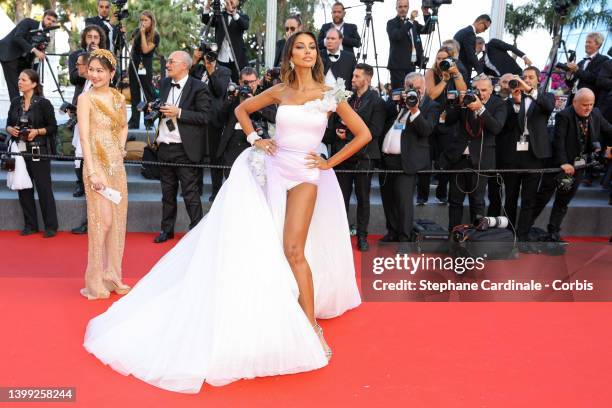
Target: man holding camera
17	51
184	116
525	146
585	73
105	22
467	41
233	140
410	121
371	108
481	117
232	50
350	35
495	59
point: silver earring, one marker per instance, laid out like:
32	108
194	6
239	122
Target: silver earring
291	64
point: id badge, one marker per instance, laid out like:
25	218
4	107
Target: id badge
442	119
142	70
522	146
399	126
579	162
21	146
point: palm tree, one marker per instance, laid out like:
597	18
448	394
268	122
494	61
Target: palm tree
520	20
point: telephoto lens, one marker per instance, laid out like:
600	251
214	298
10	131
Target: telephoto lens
446	64
412	98
513	83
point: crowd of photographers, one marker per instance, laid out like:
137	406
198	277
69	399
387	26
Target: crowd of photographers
444	118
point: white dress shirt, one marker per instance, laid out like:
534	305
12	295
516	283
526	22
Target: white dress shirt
225	54
174	98
341	29
392	143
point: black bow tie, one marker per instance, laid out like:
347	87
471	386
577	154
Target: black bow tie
174	84
334	56
587	59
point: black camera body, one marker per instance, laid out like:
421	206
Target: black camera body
71	110
261	130
452	97
122	13
24	127
238	91
470	96
405	98
154	108
435	3
41	38
446	64
210	50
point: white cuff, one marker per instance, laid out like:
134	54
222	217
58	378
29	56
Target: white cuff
253	137
236	16
480	111
517	107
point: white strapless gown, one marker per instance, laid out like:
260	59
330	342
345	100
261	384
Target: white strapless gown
222	304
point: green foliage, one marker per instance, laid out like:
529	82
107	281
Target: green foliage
520	19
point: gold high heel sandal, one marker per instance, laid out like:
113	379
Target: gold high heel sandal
326	348
84	292
117	287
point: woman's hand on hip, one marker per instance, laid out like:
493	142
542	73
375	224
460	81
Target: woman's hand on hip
315	161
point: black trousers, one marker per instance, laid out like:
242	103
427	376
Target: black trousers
216	175
548	187
363	184
397	77
234	148
460	185
397	192
232	67
12	69
145	80
170	178
494	194
40	173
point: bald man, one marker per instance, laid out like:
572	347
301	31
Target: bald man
578	131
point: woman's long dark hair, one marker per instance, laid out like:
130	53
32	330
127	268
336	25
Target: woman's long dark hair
287	74
33	75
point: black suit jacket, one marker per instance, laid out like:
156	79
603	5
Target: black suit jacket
371	108
350	37
537	124
236	30
400	47
604	84
467	54
40	114
195	106
566	143
588	77
342	68
280	45
100	23
492	122
17	43
497	51
416	136
75	79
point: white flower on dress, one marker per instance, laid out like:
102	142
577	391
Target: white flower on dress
258	165
330	99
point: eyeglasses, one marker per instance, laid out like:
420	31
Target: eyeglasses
290	29
172	61
247	82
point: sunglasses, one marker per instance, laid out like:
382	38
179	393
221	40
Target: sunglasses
290	28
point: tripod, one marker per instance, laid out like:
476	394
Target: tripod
553	56
434	25
366	31
217	15
41	73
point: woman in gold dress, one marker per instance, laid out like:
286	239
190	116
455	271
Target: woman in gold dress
103	132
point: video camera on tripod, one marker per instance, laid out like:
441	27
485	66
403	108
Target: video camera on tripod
122	13
42	37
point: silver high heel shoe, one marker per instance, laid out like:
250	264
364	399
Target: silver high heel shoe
326	348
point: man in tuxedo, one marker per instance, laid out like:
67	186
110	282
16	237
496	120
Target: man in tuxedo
526	145
17	52
579	130
103	20
472	147
371	108
293	24
585	73
495	59
237	24
217	78
350	35
406	147
182	129
336	62
233	140
467	39
405	46
604	84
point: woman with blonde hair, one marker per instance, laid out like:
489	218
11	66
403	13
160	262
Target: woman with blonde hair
239	295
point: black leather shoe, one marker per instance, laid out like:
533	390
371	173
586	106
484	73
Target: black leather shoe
388	238
362	244
163	237
49	233
528	248
79	191
420	202
82	229
28	231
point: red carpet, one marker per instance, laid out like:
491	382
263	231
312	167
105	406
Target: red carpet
385	354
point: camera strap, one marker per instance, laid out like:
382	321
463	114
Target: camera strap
470	131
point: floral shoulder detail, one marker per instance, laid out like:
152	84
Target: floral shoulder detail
331	98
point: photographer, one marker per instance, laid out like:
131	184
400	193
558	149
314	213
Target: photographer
371	108
410	119
350	35
18	49
217	78
444	85
233	140
32	125
585	73
237	24
525	146
495	59
293	24
108	24
467	41
145	40
481	116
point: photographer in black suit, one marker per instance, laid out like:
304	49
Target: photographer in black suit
526	145
579	130
92	38
472	147
237	24
495	60
181	140
350	35
233	140
405	47
17	51
405	146
371	108
585	73
108	23
336	62
467	40
293	24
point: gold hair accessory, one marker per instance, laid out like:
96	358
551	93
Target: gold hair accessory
106	54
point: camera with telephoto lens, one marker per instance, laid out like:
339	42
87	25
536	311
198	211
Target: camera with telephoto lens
210	50
236	91
122	13
514	83
71	110
154	109
405	97
435	3
484	223
446	64
24	127
41	37
470	96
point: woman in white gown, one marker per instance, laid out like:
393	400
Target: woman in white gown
238	296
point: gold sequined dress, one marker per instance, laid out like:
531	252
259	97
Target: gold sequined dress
104	258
